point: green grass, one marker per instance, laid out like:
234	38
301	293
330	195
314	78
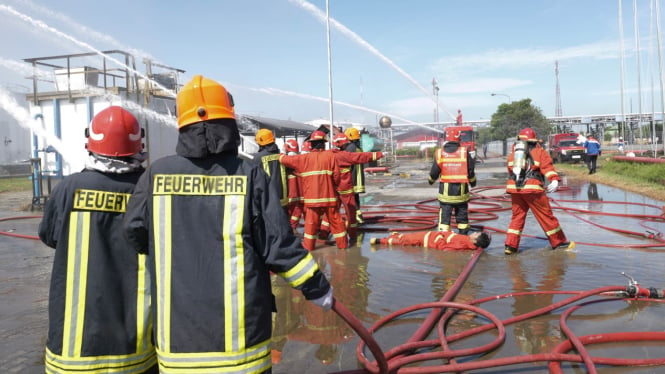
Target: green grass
649	173
15	184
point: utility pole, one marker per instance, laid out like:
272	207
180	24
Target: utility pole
435	92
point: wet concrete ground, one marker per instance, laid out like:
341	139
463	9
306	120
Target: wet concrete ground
375	281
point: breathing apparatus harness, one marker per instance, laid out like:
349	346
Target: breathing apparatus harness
522	164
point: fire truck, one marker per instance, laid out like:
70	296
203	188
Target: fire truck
467	139
565	148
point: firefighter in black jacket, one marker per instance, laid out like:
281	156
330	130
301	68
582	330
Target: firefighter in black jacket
99	301
214	231
268	158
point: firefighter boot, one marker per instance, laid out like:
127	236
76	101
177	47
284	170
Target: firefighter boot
509	250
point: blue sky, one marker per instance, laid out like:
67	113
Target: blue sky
272	54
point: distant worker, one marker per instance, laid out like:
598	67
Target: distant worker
444	240
99	300
268	158
319	177
214	232
295	207
529	166
357	171
454	167
346	161
459	117
620	145
592	152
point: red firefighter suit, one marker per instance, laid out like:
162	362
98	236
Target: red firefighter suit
444	240
346	160
529	193
319	177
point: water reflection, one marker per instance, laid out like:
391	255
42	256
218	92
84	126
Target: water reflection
298	320
540	334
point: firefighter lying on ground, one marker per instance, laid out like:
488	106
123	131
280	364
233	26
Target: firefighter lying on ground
444	240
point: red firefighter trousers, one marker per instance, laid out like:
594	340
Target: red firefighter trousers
540	206
313	217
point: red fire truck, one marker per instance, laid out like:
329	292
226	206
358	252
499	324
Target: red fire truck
565	148
467	138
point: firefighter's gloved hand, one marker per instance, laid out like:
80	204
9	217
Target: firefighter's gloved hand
517	171
325	301
553	186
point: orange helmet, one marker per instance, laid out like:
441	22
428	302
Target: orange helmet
528	135
453	135
114	132
352	133
291	145
340	140
203	99
306	146
317	135
264	137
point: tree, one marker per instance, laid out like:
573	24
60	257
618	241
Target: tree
509	119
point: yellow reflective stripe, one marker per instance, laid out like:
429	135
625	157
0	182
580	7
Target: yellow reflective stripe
426	239
322	200
515	232
340	235
309	236
450	237
77	274
316	172
534	187
536	162
131	363
143	315
345	170
234	274
550	173
554	231
301	272
255	359
345	192
265	161
453	177
454	199
285	185
163	246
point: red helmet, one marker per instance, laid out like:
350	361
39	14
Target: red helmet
291	145
340	140
114	132
453	135
528	135
306	146
317	135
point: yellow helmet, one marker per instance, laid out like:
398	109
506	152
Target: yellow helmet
352	133
203	99
264	137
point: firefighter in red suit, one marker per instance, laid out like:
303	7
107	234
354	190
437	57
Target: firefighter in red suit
444	240
530	167
319	177
346	160
295	206
454	168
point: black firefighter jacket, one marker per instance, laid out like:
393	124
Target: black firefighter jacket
99	302
213	231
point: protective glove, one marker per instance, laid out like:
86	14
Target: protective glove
517	171
553	186
325	301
